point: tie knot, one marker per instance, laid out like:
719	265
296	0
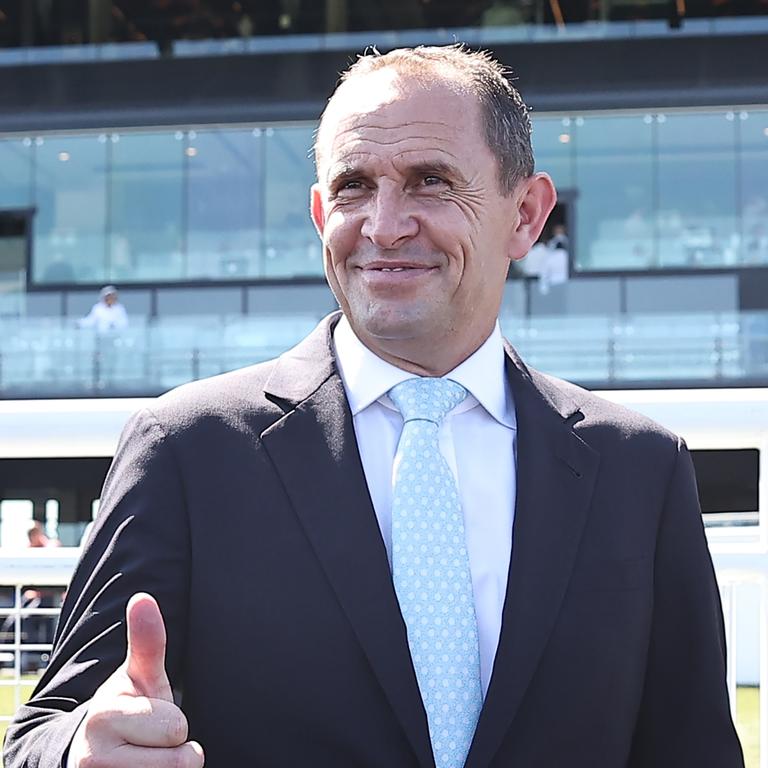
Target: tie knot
428	399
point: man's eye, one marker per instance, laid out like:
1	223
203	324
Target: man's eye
431	181
351	188
351	185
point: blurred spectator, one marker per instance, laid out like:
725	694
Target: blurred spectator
559	239
38	629
38	537
548	260
107	314
108	317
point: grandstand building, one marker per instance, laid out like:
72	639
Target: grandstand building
168	153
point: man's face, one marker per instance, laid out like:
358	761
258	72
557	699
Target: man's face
110	299
417	235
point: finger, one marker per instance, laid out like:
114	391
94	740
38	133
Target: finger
145	660
189	755
141	721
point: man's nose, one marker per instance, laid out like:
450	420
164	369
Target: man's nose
389	221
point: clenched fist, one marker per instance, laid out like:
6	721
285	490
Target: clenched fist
132	720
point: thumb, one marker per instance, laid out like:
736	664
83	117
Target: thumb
145	660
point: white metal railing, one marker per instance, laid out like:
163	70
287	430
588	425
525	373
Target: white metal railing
23	571
730	581
52	568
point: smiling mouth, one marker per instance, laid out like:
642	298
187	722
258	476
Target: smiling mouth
409	268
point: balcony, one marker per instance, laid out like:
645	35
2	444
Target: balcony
52	357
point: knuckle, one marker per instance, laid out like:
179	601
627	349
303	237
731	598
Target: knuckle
97	721
176	728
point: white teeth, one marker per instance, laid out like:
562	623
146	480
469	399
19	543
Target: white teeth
393	269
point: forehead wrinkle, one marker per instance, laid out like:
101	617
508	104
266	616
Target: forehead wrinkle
382	143
425	153
357	127
348	164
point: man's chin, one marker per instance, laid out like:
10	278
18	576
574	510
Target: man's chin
391	326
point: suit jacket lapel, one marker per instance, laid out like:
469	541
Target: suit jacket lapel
555	478
313	449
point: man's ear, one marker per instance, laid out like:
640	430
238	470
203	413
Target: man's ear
316	209
536	201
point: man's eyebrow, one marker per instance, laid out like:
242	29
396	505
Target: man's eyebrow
343	171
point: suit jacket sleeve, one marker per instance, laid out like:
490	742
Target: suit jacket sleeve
684	719
140	542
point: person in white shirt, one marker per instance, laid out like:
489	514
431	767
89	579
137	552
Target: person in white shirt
107	315
591	620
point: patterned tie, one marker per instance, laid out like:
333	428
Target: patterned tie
430	569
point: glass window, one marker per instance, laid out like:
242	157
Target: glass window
69	243
147	206
614	176
753	172
224	220
696	222
552	148
292	245
15	173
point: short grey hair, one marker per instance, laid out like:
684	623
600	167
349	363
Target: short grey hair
503	111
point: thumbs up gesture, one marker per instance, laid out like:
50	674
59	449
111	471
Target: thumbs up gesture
132	719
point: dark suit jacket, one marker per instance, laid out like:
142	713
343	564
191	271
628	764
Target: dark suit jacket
241	504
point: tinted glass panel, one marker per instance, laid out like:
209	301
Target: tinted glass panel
147	204
697	223
753	172
292	246
70	224
15	173
224	235
552	140
614	176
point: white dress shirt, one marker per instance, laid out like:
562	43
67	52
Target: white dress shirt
478	439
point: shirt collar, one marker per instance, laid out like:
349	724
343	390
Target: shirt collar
367	378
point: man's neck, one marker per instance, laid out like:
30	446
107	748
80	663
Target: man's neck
433	357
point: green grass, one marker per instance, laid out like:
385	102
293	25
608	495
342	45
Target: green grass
747	707
747	717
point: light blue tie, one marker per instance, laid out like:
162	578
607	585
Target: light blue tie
430	569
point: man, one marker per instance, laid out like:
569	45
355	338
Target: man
107	315
556	607
37	536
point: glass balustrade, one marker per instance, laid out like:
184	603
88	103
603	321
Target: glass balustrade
50	358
